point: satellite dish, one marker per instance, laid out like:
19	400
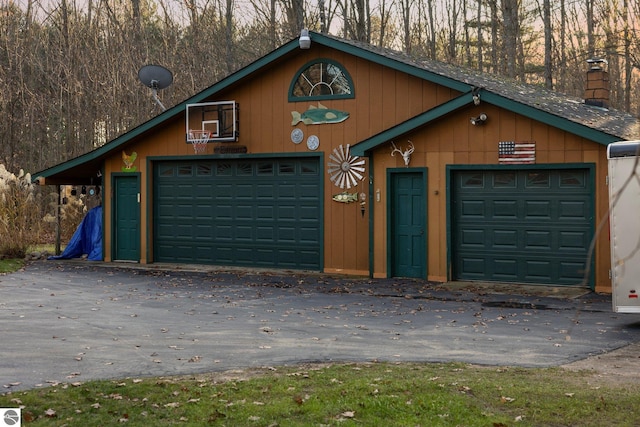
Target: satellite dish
155	77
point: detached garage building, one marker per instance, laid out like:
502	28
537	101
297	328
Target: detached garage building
346	158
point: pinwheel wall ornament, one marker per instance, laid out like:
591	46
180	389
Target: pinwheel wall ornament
344	169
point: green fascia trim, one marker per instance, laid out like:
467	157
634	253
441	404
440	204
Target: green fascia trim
550	119
364	147
233	156
390	62
448	213
539	166
116	143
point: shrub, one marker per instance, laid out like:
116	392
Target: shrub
71	212
20	222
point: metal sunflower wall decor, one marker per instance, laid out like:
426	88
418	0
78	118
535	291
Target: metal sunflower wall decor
344	169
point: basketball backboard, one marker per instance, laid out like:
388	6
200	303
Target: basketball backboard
220	118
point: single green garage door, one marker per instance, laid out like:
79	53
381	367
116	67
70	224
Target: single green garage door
241	212
523	226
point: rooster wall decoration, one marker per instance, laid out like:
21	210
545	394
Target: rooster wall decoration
128	161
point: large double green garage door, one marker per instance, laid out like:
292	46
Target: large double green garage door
239	212
524	226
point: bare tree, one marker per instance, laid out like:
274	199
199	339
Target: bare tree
405	13
510	35
546	18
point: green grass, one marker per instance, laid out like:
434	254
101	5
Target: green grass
375	394
13	264
10	265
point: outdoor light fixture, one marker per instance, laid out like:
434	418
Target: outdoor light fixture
476	121
476	95
305	40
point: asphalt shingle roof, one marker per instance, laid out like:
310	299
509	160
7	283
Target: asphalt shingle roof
614	122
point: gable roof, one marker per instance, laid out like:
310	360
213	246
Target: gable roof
567	113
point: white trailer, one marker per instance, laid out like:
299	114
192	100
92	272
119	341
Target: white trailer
624	219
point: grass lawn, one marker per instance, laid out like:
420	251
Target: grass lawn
368	394
10	265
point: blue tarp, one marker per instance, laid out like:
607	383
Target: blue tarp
87	239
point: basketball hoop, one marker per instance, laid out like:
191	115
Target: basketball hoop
199	140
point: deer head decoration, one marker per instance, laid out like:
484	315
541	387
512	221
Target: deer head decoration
406	154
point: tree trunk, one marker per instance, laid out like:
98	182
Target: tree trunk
548	77
480	41
510	35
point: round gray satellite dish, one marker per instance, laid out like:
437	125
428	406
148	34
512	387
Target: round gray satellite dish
155	76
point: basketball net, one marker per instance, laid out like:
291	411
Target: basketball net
199	140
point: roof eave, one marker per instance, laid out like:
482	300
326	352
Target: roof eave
364	147
551	119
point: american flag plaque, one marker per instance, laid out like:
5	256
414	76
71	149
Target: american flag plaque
516	153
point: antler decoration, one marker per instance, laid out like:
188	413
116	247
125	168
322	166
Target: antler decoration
406	154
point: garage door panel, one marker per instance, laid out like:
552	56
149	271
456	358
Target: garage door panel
472	208
505	269
203	232
472	267
571	210
537	239
538	270
505	209
263	212
505	239
573	241
521	226
473	237
572	269
537	209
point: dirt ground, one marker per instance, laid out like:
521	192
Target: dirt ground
618	367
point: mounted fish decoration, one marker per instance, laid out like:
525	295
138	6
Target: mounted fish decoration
319	115
345	197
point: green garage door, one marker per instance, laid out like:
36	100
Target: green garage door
525	226
262	213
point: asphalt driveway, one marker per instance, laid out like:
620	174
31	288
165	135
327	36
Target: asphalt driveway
70	321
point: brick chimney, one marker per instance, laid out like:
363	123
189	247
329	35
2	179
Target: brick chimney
596	92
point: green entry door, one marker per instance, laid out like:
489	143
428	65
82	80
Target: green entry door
261	212
408	225
126	218
522	226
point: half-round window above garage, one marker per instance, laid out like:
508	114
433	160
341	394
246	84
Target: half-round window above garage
321	79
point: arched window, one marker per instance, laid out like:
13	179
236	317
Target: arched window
321	79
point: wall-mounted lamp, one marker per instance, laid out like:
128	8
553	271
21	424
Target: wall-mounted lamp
363	203
304	40
476	95
480	120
